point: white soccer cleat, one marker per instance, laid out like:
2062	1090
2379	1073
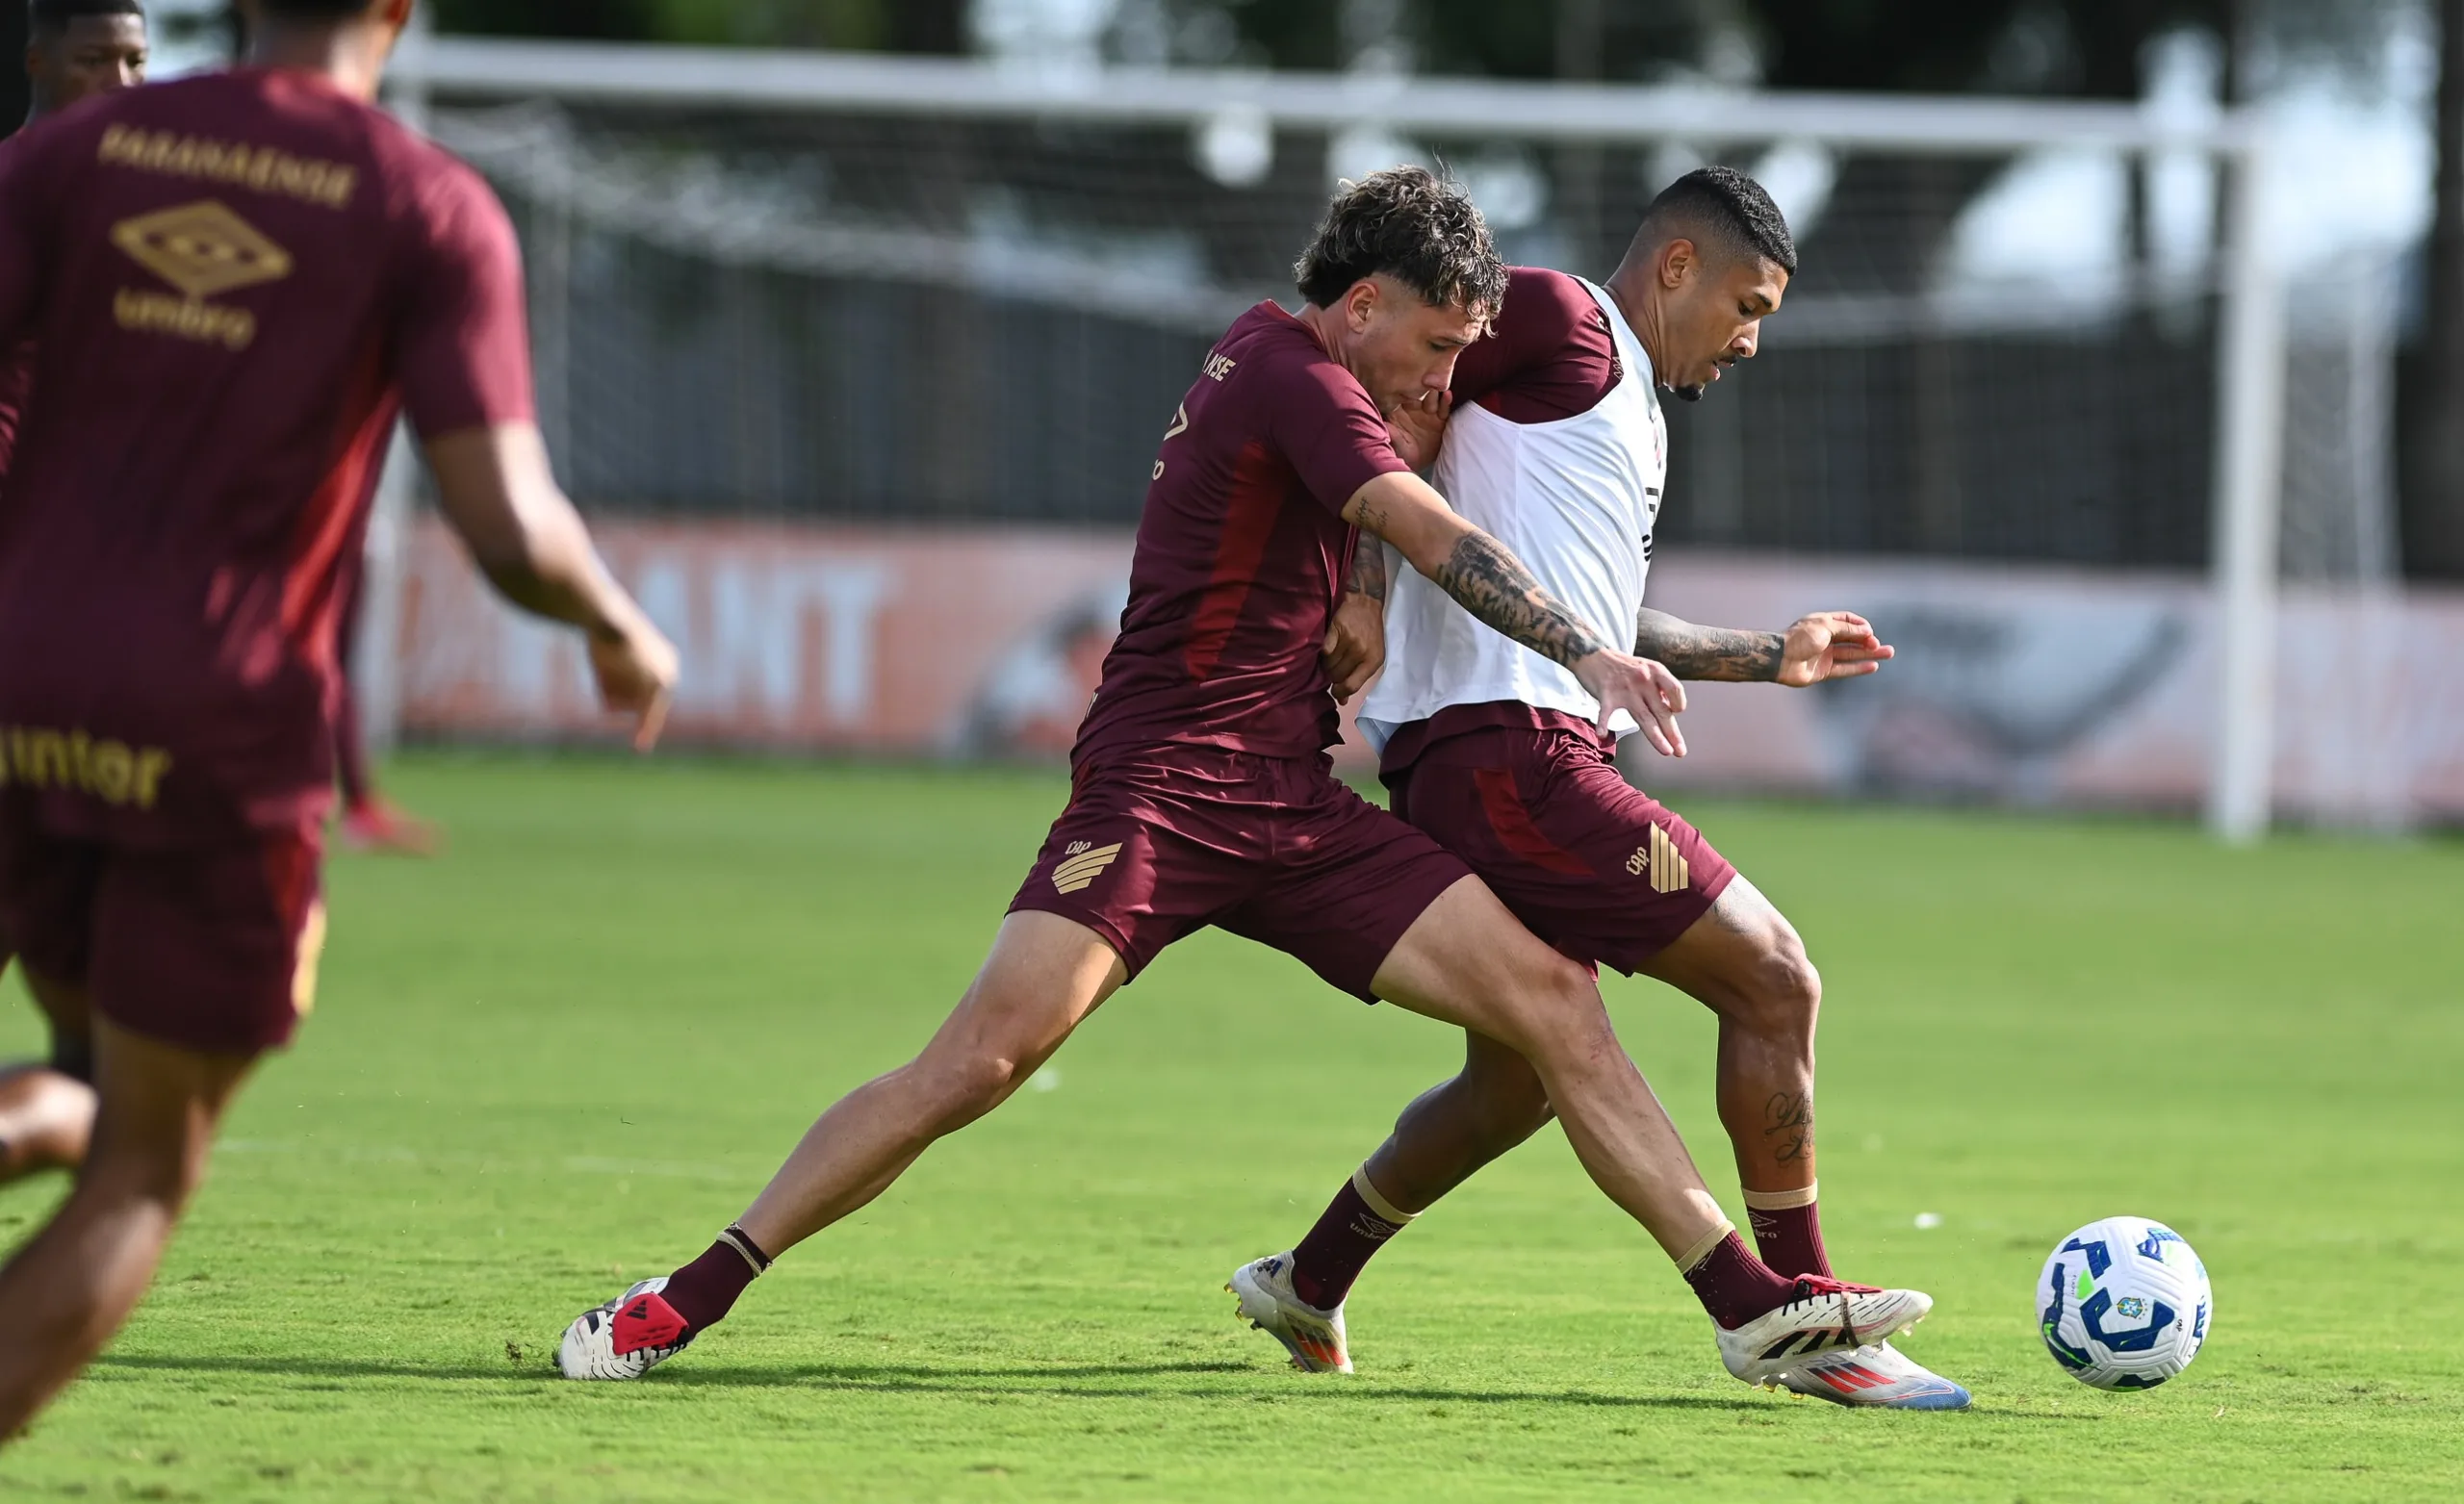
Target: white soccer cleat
626	1338
1876	1377
1826	1316
1313	1338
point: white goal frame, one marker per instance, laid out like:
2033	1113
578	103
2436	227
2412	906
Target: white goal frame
2246	503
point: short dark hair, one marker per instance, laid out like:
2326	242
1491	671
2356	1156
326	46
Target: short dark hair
1731	207
1421	229
315	9
51	18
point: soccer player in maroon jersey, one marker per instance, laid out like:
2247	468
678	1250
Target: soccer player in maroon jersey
75	49
1557	440
1202	793
238	281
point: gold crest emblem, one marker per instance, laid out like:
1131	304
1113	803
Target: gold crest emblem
202	249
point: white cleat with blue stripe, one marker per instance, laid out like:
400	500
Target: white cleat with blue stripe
1876	1377
1827	1316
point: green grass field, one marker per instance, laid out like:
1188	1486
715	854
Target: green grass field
568	1054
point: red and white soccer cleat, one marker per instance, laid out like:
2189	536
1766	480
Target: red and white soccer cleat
1313	1338
626	1338
1827	1316
1878	1377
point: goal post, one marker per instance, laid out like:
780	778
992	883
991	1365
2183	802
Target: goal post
891	115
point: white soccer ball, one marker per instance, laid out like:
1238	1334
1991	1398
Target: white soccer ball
2124	1303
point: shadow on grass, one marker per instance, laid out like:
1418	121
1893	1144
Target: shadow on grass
1064	1381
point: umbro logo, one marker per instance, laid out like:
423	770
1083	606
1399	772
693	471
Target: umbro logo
1667	865
1085	863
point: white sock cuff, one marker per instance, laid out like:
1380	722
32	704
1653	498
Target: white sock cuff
1702	1246
1377	1203
1781	1200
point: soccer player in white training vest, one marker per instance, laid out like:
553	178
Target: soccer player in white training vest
1554	440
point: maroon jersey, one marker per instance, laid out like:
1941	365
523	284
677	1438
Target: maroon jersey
1242	552
1549	355
236	282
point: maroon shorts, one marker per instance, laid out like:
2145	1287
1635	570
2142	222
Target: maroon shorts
1274	849
213	949
1589	863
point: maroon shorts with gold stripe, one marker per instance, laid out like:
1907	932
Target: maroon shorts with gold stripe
1588	862
1156	846
212	947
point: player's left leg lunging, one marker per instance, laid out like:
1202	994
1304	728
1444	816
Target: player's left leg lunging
1044	975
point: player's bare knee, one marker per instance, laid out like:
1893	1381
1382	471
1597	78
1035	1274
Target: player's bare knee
1558	1010
1785	994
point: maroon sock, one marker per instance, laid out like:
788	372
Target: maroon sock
1735	1287
1338	1248
1791	1238
705	1290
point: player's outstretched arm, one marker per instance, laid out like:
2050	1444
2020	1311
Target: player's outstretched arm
496	489
1491	583
1826	645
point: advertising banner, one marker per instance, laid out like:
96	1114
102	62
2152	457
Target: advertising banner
2033	686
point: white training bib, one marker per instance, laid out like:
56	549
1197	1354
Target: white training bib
1576	500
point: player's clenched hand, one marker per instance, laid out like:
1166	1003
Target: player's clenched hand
1417	426
636	668
1832	645
1642	689
1355	643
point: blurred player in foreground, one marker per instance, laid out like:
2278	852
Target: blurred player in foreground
75	49
1554	440
237	281
1202	794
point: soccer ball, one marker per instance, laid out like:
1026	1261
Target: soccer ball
2124	1303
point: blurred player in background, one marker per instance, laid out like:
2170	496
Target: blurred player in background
238	281
1202	793
1554	440
75	49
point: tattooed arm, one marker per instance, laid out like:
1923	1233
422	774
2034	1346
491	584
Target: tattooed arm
1367	569
1828	645
1355	647
1496	589
1708	652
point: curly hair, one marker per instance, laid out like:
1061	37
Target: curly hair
1731	207
1421	229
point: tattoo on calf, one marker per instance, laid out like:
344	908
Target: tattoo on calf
1788	1129
1494	586
1708	652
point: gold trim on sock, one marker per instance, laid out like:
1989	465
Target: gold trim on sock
736	1240
1781	1200
1377	1203
1702	1246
